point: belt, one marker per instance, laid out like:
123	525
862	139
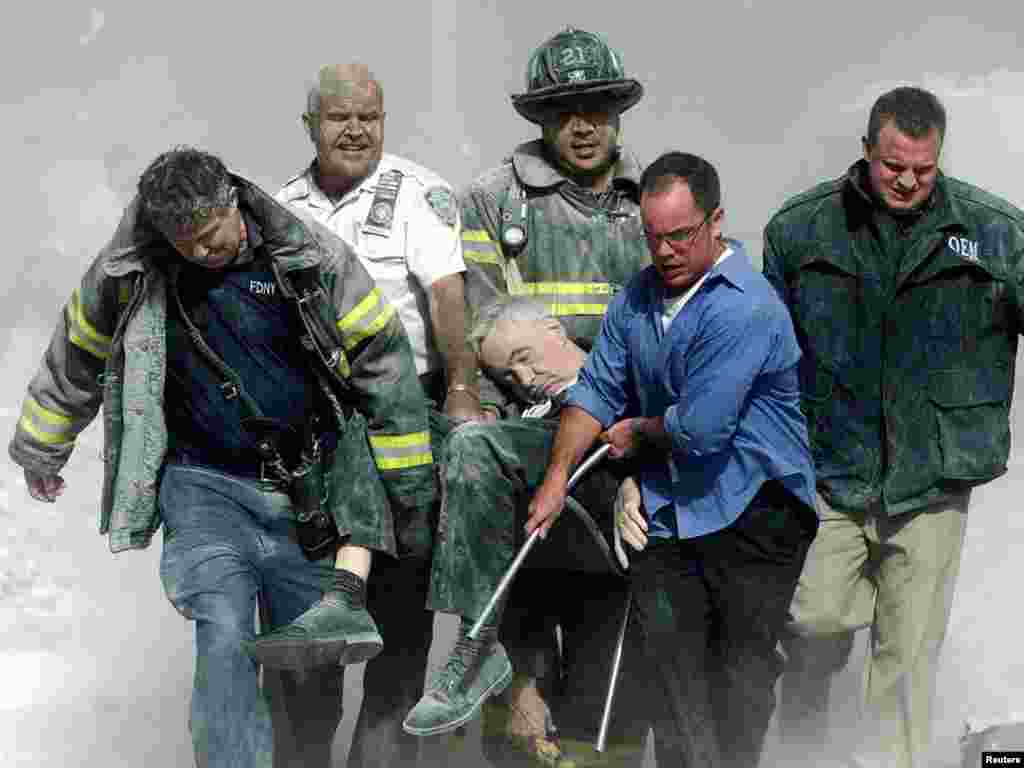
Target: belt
254	469
249	470
775	493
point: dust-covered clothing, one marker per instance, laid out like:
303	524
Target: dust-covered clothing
581	248
230	535
403	221
909	332
723	375
909	326
488	474
252	328
729	499
110	349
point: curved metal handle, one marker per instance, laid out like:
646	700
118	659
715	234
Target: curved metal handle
517	563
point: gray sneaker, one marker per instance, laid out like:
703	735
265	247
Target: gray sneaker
474	671
332	631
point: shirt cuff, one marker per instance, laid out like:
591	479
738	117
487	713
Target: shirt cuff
428	279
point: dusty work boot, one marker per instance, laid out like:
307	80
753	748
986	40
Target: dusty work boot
518	729
335	630
475	669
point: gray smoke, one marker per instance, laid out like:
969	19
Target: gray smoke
95	663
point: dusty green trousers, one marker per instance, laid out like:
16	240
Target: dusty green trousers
488	472
896	575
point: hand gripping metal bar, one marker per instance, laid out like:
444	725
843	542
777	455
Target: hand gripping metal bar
517	563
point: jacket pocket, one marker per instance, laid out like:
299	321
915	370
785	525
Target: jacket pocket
972	418
828	307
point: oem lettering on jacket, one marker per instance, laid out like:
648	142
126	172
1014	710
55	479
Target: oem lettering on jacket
961	246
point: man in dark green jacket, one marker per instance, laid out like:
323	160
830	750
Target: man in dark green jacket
904	286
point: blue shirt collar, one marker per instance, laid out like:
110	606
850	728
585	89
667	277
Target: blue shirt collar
735	269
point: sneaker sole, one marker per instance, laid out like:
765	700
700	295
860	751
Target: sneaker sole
307	654
495	689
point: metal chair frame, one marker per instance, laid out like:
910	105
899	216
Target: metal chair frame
581	513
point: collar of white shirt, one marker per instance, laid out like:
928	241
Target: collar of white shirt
674	305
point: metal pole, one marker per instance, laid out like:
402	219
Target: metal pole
613	678
510	574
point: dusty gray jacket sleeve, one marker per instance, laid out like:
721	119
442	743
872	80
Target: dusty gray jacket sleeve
65	394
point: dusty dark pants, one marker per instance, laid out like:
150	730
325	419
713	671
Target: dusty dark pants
393	680
397	600
711	609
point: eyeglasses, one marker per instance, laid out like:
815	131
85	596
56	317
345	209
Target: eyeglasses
680	237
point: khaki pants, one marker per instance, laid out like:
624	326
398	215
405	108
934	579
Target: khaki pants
896	575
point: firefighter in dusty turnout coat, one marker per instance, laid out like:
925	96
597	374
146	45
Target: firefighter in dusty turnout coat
559	222
183	330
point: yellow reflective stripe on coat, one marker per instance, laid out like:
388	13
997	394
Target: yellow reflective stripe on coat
46	426
343	368
401	451
82	333
564	299
365	319
478	246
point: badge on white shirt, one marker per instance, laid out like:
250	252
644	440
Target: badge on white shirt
381	215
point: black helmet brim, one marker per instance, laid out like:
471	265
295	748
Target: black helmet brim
618	95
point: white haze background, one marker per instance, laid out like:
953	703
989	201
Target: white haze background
95	664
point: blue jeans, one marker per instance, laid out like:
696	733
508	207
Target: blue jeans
228	540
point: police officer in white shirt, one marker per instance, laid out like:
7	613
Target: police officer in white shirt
404	222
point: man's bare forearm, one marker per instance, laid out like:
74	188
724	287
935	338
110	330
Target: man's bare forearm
448	318
577	431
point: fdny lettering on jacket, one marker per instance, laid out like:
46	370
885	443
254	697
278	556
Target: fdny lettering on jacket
261	288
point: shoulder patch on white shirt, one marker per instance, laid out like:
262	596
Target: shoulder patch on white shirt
442	202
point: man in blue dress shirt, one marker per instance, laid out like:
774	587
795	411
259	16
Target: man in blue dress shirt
694	375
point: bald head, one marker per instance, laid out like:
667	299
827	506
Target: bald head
343	81
345	121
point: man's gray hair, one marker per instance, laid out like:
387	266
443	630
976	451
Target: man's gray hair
511	308
331	75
